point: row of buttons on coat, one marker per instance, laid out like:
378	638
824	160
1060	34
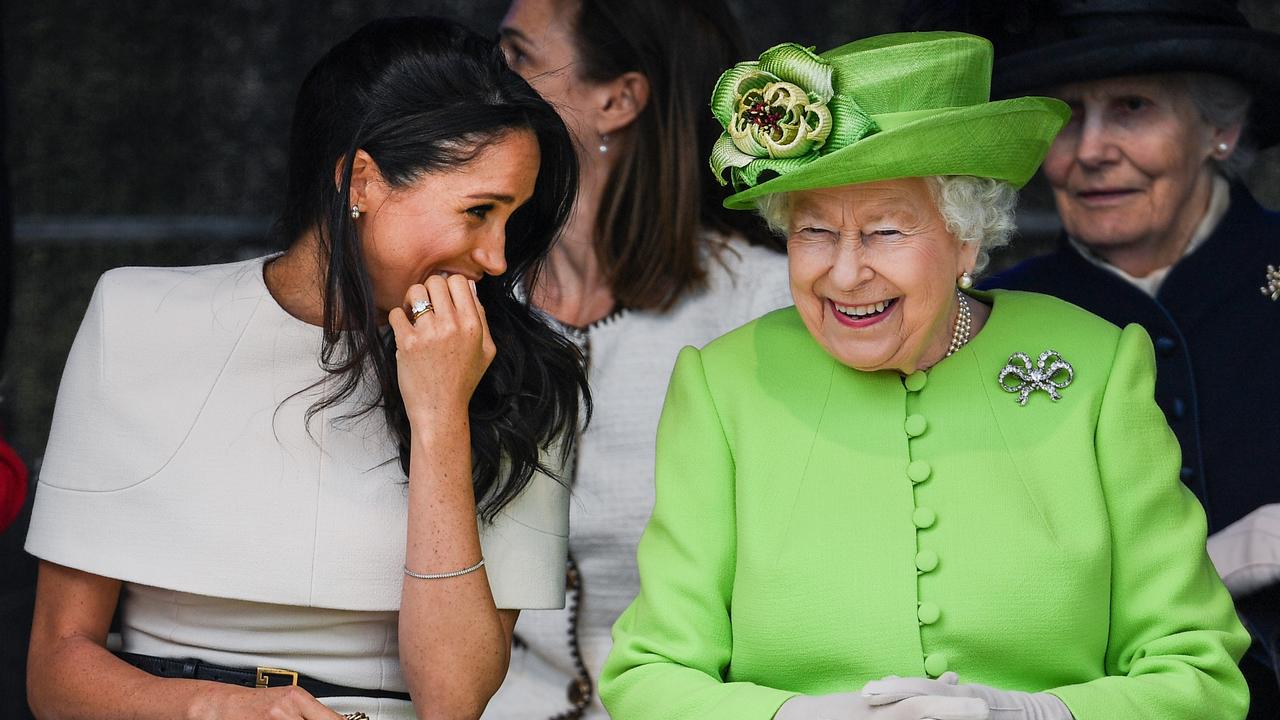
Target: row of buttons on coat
923	518
1176	409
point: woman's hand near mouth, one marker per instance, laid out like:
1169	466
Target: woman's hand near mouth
441	356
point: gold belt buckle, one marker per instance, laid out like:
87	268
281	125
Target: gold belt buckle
265	673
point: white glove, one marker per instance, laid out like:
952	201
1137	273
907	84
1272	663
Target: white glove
853	706
1247	552
1003	704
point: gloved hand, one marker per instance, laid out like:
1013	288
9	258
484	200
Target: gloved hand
1247	552
1003	704
853	706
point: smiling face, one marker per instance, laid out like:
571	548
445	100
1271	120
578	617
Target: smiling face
873	273
446	222
1130	171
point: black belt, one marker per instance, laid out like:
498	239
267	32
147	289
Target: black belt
260	677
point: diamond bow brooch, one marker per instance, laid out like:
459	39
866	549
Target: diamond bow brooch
1050	373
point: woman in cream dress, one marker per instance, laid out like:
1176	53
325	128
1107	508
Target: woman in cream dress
231	444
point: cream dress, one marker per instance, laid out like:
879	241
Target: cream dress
180	461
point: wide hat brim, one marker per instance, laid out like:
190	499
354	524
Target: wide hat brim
1004	140
1249	56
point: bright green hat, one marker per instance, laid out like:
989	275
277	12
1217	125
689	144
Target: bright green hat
891	106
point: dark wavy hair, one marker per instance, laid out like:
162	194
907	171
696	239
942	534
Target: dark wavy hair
662	196
420	95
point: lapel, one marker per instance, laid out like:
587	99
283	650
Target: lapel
1040	433
1229	267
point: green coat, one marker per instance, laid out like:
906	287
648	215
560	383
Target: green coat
817	527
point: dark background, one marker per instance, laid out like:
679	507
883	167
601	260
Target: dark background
153	133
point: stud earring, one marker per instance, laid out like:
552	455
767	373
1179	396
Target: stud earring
1223	147
604	143
966	280
355	212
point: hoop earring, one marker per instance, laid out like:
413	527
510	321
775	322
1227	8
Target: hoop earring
604	143
355	212
966	280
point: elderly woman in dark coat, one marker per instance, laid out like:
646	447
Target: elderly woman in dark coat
1170	100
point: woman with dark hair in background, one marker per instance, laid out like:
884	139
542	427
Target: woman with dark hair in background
649	262
229	453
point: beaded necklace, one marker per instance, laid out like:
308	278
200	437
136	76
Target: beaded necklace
963	328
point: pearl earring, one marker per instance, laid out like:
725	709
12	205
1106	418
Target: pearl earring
355	212
966	280
1223	147
604	143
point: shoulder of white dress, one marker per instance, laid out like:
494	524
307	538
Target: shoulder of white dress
733	257
178	296
732	264
526	545
151	346
162	316
752	278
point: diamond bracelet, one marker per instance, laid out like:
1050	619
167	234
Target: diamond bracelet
441	576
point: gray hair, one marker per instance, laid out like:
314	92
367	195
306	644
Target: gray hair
775	208
1224	102
975	210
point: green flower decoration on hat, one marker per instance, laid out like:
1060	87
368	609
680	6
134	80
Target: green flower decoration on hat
884	107
780	113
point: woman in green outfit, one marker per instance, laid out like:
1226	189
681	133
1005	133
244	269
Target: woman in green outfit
902	498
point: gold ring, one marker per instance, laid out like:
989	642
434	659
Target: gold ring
420	308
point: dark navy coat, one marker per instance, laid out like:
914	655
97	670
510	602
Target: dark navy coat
1217	341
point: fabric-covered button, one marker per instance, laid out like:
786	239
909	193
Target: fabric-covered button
935	664
1165	345
928	613
1187	473
926	560
915	425
918	471
1177	408
923	517
916	381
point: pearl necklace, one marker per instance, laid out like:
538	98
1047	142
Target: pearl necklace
963	327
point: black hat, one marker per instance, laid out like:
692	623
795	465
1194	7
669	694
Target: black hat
1039	44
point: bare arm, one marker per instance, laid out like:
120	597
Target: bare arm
72	676
454	643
